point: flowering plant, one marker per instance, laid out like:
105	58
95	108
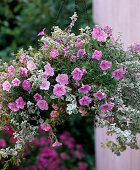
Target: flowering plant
41	155
88	74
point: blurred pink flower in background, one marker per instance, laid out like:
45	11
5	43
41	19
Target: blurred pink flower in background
2	143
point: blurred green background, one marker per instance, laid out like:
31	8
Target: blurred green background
21	21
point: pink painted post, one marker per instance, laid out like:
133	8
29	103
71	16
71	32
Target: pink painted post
123	16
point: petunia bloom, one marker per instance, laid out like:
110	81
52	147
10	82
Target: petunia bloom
26	85
99	34
37	97
13	107
73	58
31	65
84	71
97	55
118	74
99	95
45	126
105	65
78	45
45	85
16	82
49	70
107	107
62	79
11	70
108	29
85	100
20	103
23	71
42	104
81	53
42	32
54	53
22	59
56	144
84	89
77	74
77	83
59	90
6	86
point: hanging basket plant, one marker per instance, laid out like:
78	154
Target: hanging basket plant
87	74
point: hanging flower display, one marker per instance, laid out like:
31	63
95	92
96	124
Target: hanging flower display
87	74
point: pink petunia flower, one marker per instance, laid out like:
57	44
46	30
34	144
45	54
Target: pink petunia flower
73	58
77	83
84	89
49	70
77	74
84	71
37	97
45	126
54	53
56	144
2	143
82	165
99	34
108	29
0	106
11	70
82	110
53	113
6	86
23	71
13	107
41	33
26	85
107	107
1	86
85	100
99	95
59	90
16	82
45	85
45	46
81	53
22	59
62	79
8	129
31	65
20	103
137	47
64	156
42	104
78	45
97	55
105	65
118	74
66	48
55	107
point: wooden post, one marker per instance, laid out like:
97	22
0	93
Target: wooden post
123	16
